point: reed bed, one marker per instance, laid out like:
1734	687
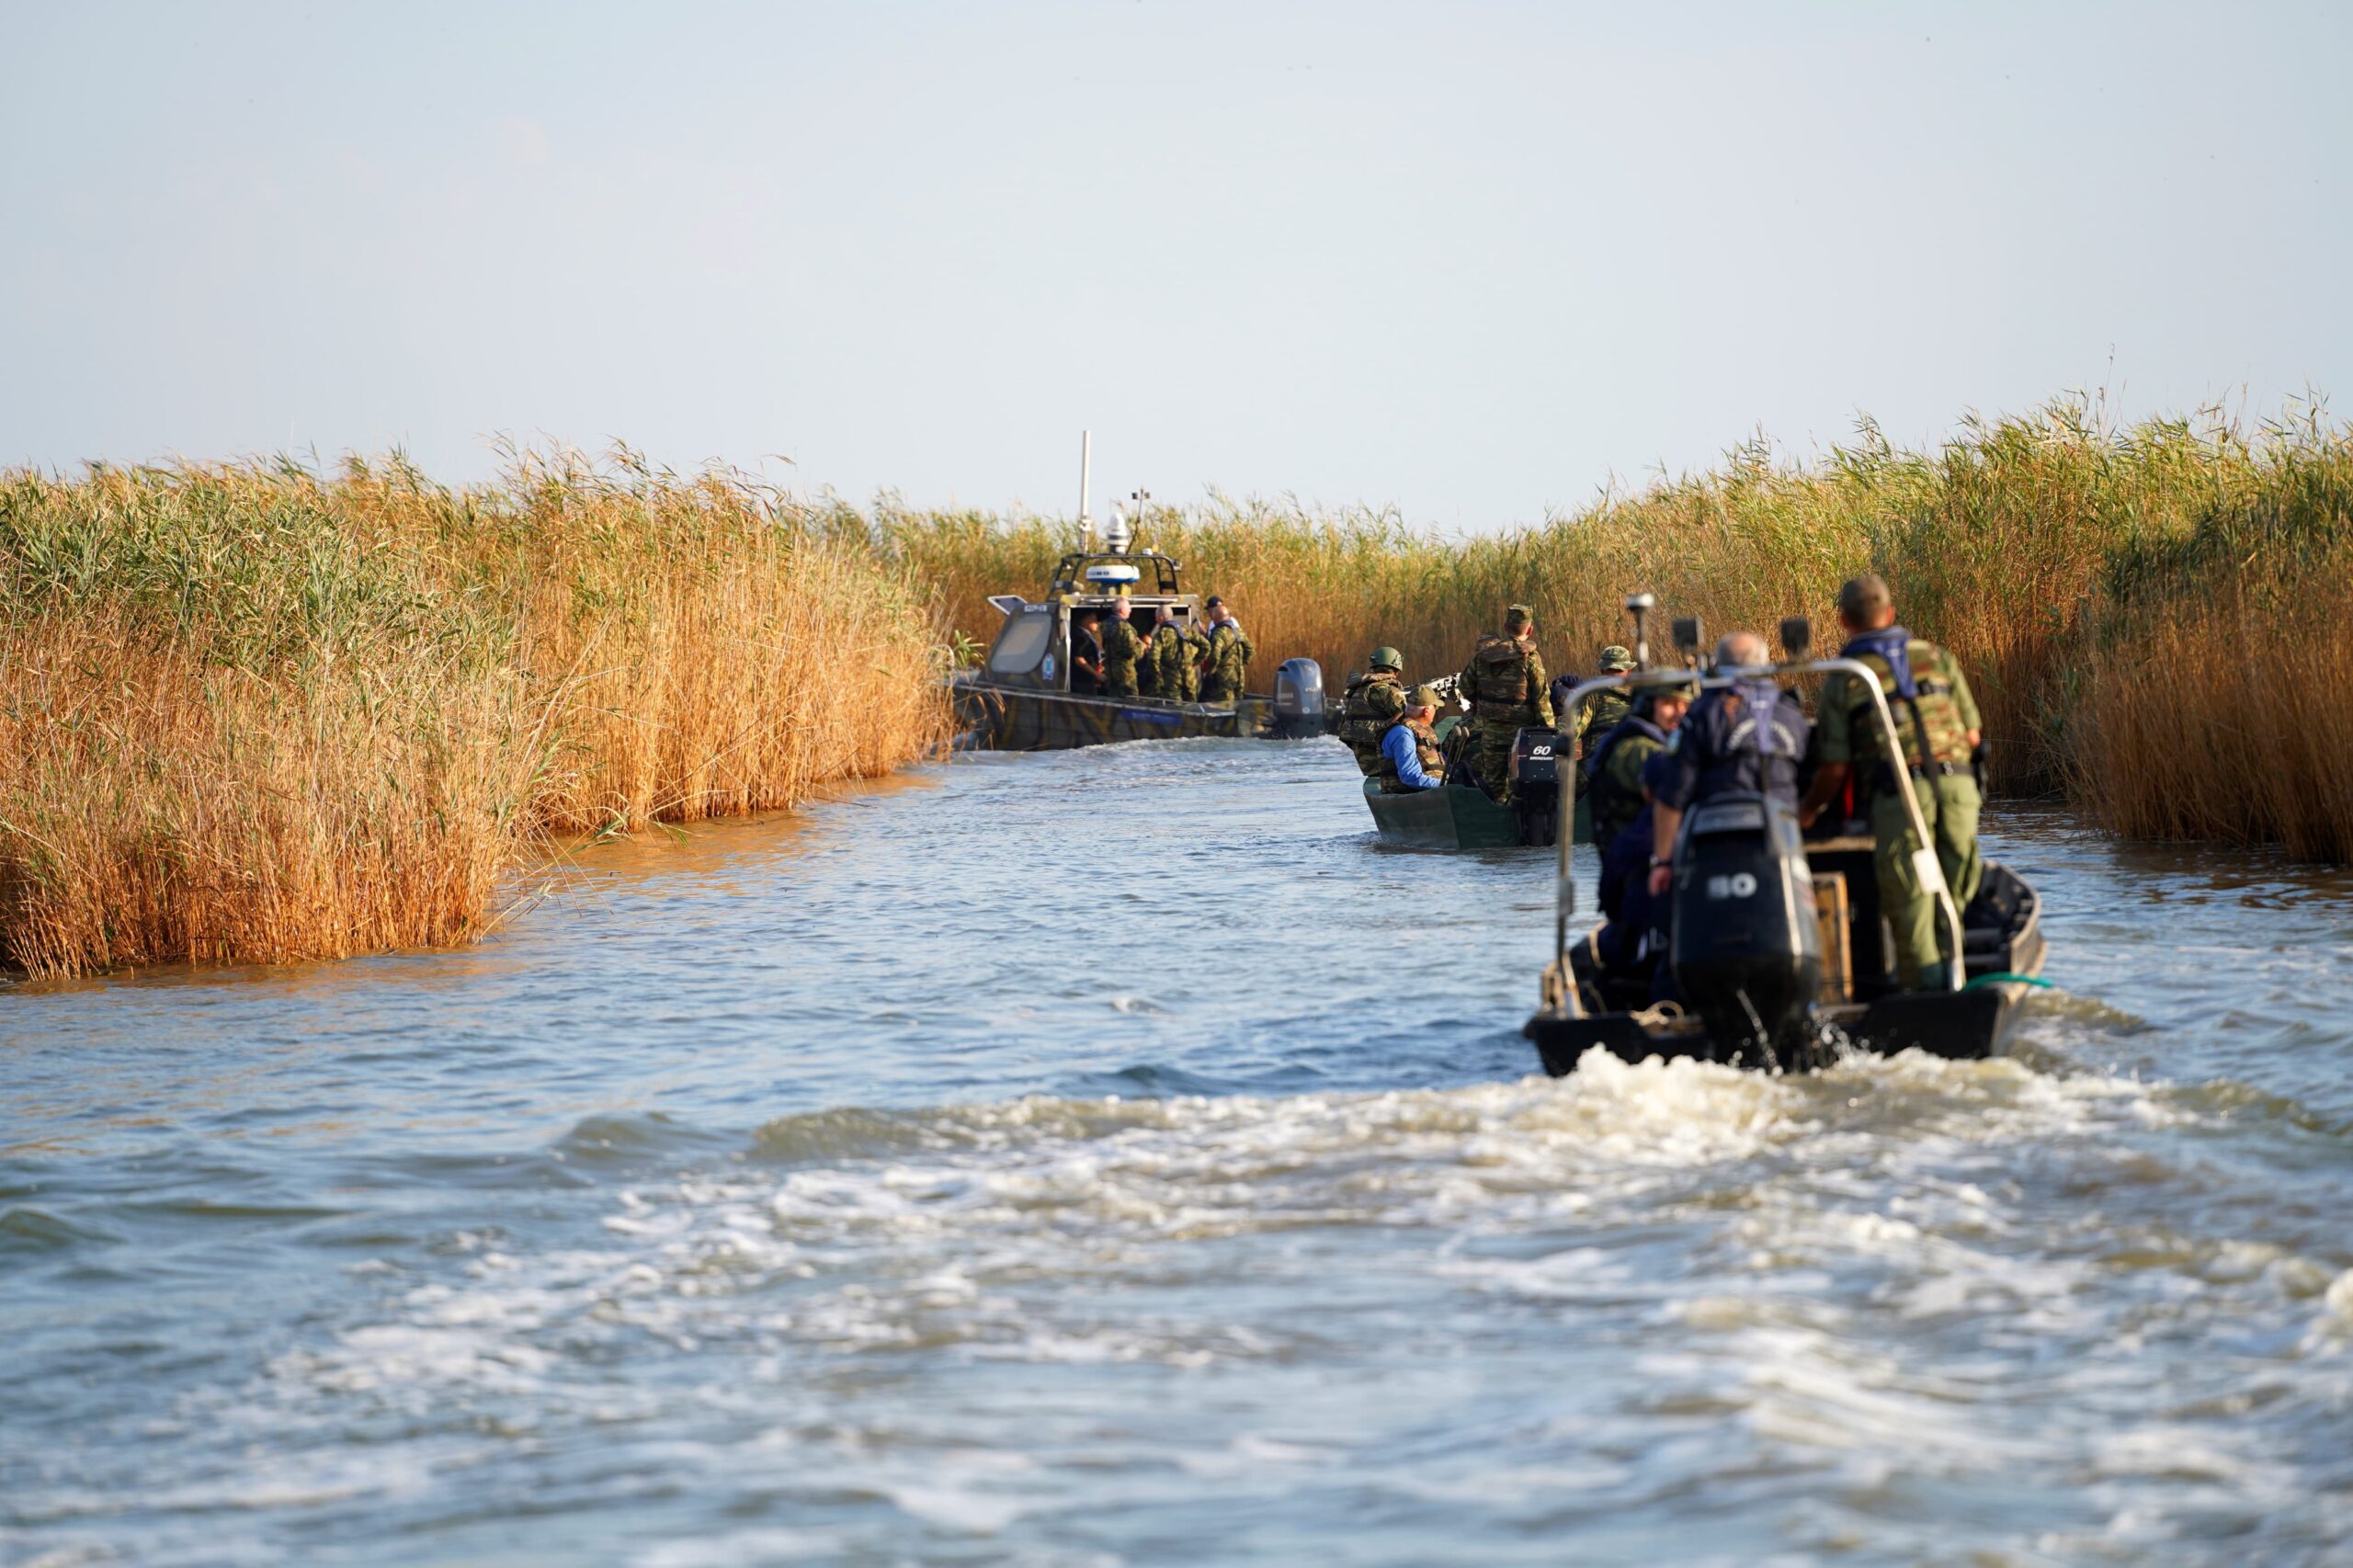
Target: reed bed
2011	543
257	714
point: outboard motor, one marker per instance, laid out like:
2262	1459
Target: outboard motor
1746	949
1536	783
1299	700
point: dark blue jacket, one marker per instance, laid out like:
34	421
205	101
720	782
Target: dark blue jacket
1715	751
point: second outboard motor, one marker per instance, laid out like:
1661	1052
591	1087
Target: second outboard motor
1536	783
1299	700
1746	948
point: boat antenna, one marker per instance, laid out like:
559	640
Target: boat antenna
1639	606
1085	479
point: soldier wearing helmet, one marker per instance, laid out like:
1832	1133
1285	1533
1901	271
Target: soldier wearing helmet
1373	702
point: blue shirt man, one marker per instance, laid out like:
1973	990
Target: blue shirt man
1398	746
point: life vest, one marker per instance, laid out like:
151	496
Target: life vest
1425	752
1229	664
1932	712
1374	702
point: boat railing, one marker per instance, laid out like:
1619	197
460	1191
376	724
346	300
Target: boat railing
1925	866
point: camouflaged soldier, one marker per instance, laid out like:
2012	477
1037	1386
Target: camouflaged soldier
1506	686
1937	733
1606	710
1614	772
1227	669
1374	702
1121	649
1175	651
1409	756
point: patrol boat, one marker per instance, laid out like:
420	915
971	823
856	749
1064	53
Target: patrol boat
1461	815
1020	697
1777	944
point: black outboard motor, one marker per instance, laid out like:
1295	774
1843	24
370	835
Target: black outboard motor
1746	949
1536	783
1299	700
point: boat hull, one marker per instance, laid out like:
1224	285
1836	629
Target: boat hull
1458	816
1005	719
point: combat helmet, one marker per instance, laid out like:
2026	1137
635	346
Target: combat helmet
1386	659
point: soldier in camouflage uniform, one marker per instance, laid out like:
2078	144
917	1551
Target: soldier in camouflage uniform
1605	709
1614	772
1937	731
1421	739
1231	651
1504	683
1374	702
1175	652
1121	649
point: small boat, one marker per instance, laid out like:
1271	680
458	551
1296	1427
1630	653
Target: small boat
1020	697
1777	949
1461	816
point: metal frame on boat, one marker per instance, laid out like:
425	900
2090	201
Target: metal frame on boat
1993	949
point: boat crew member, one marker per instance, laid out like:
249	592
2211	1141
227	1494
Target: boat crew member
1121	649
1633	937
1085	656
1748	737
1603	711
1374	702
1227	670
1174	650
1938	732
1504	682
1614	772
1410	759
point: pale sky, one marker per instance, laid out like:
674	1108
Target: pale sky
1470	259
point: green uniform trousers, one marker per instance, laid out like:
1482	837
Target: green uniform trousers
1950	805
1490	752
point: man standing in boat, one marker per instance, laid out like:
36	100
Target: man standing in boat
1085	656
1603	713
1508	689
1174	649
1227	671
1410	759
1747	738
1121	649
1937	731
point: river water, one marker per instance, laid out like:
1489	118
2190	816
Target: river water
1120	1157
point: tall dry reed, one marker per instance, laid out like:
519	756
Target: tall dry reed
257	714
2003	542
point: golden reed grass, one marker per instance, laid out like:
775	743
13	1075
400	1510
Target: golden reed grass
254	715
2007	543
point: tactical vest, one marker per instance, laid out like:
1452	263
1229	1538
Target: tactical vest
1425	752
1172	657
1373	702
1934	709
1229	663
1500	677
1120	646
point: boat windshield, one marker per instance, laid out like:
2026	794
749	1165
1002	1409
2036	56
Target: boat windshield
1021	645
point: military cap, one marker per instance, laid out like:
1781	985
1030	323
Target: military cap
1679	691
1423	697
1386	659
1862	600
1518	617
1213	602
1617	659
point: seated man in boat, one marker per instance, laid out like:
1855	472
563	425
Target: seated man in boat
1614	770
1226	671
1086	654
1374	702
1936	730
1409	753
1749	738
1633	938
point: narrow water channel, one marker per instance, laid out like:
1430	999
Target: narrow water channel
1120	1157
